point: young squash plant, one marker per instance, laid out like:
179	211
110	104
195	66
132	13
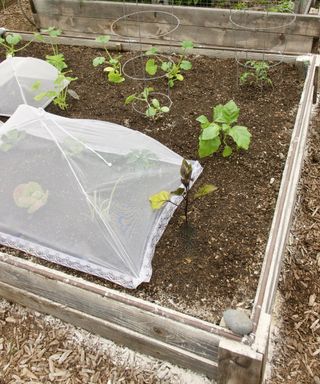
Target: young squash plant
257	74
153	107
161	198
11	42
57	59
60	95
114	68
173	70
216	133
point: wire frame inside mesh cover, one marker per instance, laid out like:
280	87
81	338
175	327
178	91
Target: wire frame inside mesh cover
76	192
24	78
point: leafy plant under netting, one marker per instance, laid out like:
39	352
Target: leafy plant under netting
76	192
22	79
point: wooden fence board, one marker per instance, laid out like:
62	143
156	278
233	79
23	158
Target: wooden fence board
274	42
307	25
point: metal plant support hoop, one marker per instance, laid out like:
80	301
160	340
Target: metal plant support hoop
144	78
265	26
257	29
154	93
124	18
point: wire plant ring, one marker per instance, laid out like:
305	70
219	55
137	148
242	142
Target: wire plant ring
242	25
151	94
125	18
140	57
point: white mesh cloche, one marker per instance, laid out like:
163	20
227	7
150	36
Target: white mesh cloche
23	78
76	192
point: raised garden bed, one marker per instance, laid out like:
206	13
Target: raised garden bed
220	264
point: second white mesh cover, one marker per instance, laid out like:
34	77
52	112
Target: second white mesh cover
76	192
17	77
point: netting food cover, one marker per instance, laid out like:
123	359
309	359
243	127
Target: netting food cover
24	78
76	192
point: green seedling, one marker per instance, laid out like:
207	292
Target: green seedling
57	59
216	133
58	94
114	68
153	107
284	6
257	74
11	139
161	198
30	196
173	70
11	42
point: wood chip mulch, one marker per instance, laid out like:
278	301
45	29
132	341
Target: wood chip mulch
296	356
38	349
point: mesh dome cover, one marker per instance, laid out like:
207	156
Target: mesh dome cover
17	77
76	193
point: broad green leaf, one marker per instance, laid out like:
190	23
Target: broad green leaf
113	61
178	192
166	66
13	39
1	40
227	113
227	151
205	190
57	61
165	109
30	196
151	51
210	132
151	67
171	83
53	32
187	44
150	112
179	77
130	99
208	147
155	103
115	77
41	96
159	199
36	85
203	121
98	61
241	136
186	65
103	39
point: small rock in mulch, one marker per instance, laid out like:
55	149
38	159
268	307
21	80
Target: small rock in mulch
237	321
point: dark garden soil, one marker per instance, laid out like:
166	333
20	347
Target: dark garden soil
218	266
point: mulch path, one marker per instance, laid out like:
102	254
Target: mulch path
296	357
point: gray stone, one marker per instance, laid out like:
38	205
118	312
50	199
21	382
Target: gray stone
2	31
238	321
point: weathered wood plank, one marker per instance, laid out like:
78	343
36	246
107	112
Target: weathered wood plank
238	364
273	42
208	50
103	306
121	335
306	25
